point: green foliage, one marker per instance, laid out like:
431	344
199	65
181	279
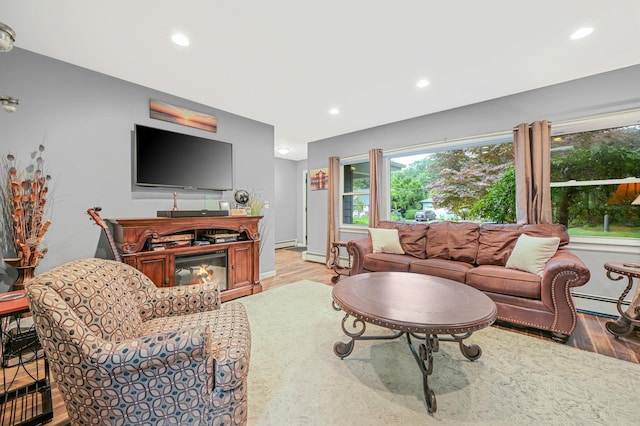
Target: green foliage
614	231
499	204
408	186
465	175
361	220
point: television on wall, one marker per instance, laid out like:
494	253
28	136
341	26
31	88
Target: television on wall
175	160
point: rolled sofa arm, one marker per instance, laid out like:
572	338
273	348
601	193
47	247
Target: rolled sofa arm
564	271
357	249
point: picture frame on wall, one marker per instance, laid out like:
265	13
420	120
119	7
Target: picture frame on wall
183	116
319	179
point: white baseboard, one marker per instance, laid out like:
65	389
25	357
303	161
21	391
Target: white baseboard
314	257
268	274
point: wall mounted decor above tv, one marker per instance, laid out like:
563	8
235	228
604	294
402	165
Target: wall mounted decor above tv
175	160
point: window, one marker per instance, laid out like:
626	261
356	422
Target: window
595	176
453	184
355	193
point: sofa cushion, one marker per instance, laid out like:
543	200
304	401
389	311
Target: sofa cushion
496	242
501	280
453	240
385	241
413	236
413	239
381	262
548	230
443	268
531	254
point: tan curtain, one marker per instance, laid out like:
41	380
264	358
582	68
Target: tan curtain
333	212
375	180
532	147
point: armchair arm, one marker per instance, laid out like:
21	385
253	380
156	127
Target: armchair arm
563	271
180	300
357	249
188	345
231	346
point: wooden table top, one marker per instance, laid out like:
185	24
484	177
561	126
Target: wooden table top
16	302
624	268
415	303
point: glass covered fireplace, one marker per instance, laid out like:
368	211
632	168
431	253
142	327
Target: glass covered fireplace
198	268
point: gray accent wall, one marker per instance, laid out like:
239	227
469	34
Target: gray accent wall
286	200
85	121
290	185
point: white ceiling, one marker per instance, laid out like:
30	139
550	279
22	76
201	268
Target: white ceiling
288	62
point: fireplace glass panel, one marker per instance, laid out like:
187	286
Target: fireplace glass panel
195	269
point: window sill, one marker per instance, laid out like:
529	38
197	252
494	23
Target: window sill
354	229
606	244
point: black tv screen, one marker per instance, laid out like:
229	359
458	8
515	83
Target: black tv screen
175	160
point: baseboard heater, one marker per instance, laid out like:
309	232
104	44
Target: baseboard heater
610	301
286	243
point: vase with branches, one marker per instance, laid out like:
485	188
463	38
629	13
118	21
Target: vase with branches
255	205
25	192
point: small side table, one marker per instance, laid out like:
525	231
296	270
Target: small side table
616	271
25	389
335	261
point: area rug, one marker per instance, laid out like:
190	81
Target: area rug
295	378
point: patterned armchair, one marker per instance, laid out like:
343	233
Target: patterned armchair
123	351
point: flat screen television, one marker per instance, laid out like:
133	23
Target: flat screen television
174	160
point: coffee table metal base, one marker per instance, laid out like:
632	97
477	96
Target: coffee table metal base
427	345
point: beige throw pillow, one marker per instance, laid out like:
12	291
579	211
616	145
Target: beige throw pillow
531	254
385	241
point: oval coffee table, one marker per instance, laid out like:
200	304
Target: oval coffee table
415	305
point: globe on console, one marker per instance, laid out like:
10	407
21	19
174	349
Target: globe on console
241	196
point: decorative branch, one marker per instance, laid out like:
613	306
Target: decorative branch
25	198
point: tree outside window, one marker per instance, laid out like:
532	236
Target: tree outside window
453	182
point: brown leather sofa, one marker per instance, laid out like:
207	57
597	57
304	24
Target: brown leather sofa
476	255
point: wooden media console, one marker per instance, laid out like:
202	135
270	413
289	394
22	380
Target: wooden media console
169	250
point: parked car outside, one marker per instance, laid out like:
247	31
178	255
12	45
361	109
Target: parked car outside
424	215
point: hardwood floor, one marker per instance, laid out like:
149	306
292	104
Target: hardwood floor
590	334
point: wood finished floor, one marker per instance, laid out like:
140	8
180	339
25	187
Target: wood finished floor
590	334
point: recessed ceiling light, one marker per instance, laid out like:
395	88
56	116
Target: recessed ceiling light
422	83
180	39
283	151
581	33
334	111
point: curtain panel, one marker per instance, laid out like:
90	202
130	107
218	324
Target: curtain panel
532	147
375	182
333	212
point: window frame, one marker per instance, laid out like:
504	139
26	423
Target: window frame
349	161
